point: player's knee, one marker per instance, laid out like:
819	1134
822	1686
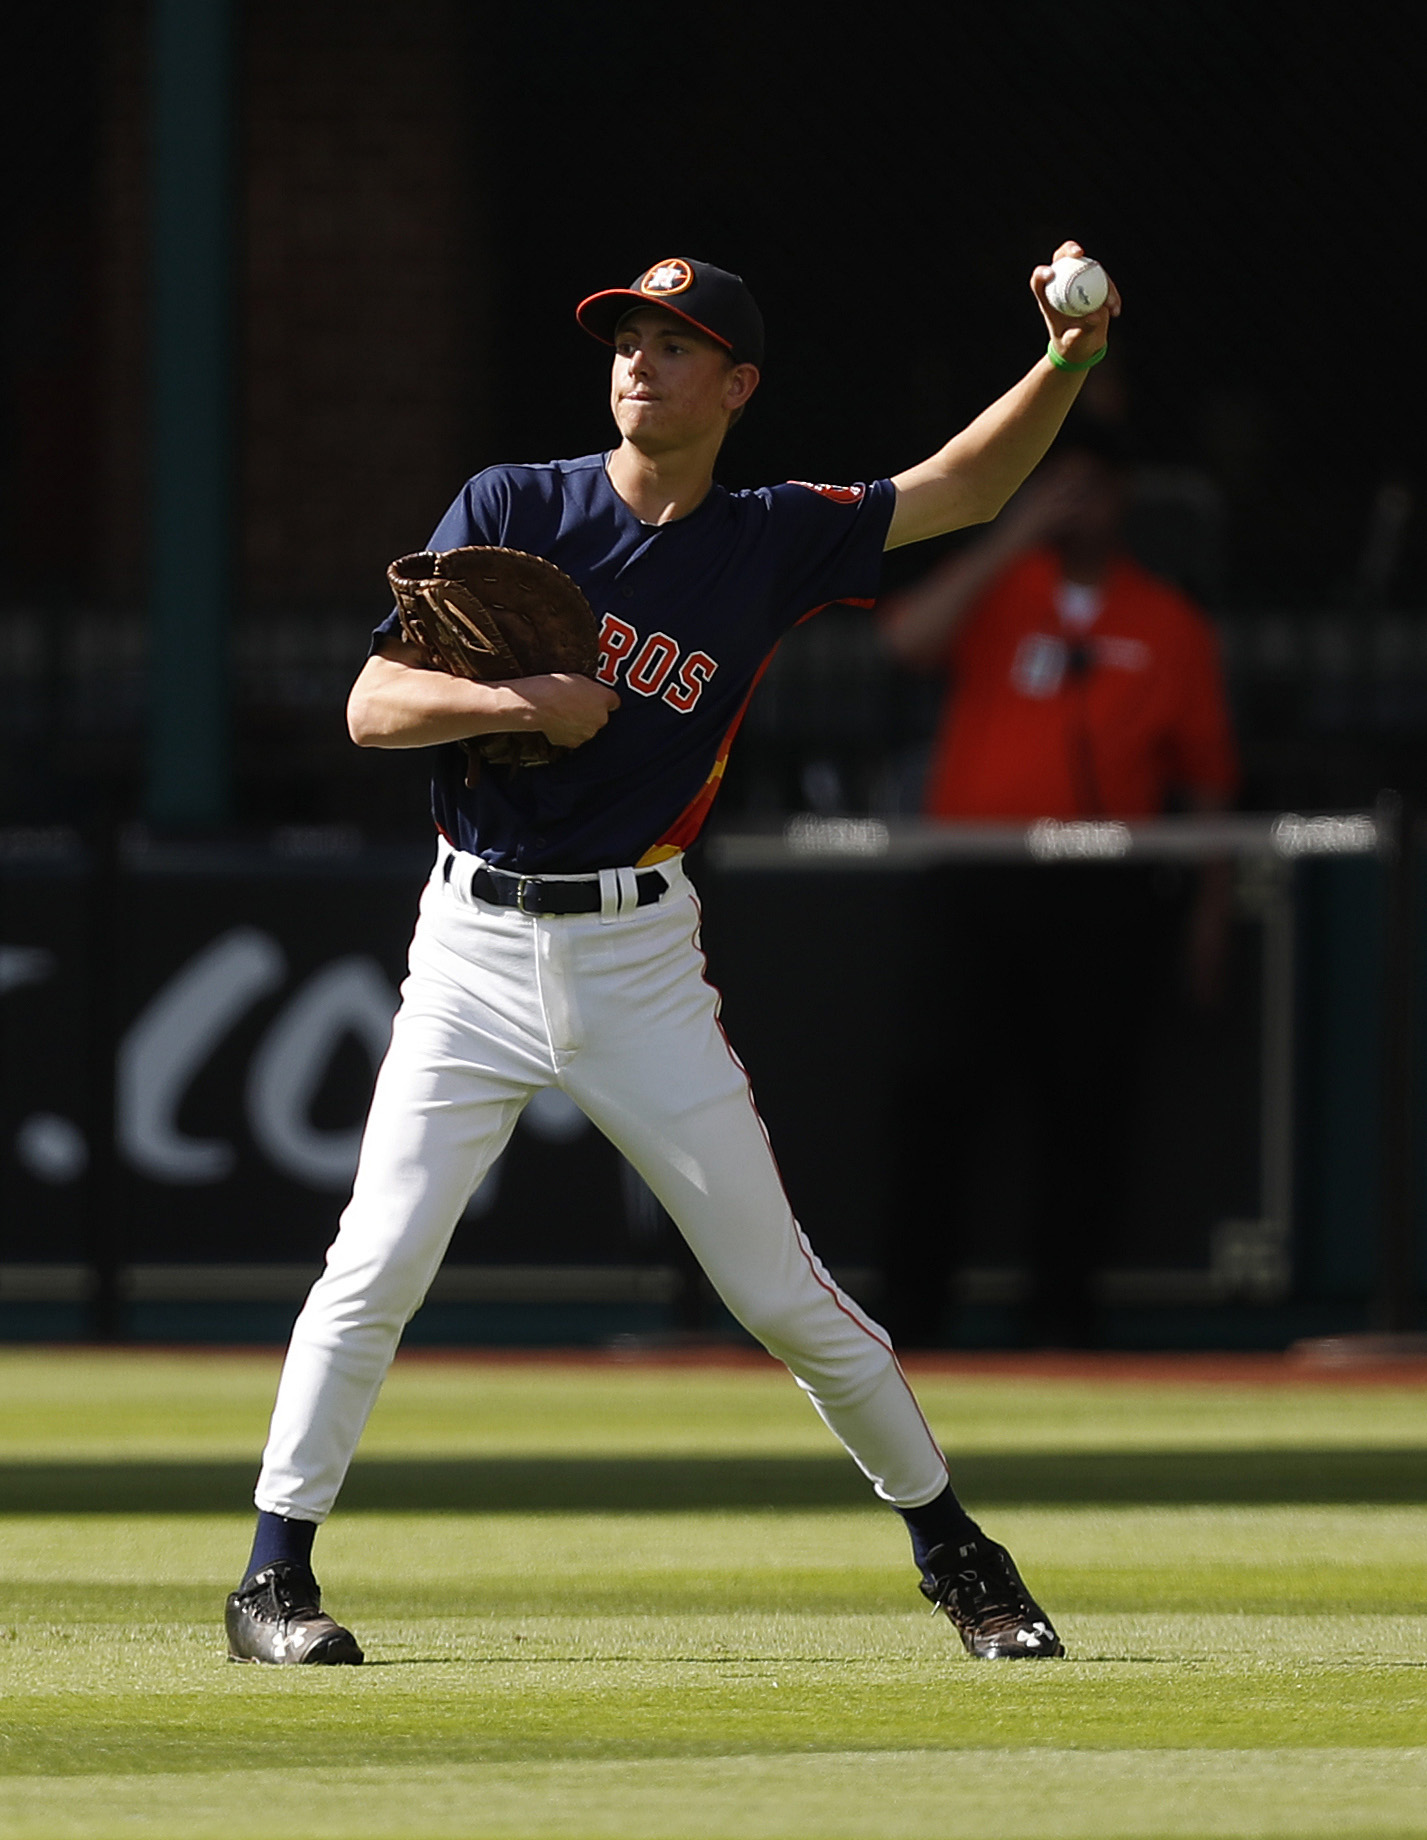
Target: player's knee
381	1298
789	1325
823	1340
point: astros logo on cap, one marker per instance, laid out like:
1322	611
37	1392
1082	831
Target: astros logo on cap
670	277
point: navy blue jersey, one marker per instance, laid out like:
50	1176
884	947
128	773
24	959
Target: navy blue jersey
690	613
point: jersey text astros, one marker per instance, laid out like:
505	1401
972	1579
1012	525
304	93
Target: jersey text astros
654	666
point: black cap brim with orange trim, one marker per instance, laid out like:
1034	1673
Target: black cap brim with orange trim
712	300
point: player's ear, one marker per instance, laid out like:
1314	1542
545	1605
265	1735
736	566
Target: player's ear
739	385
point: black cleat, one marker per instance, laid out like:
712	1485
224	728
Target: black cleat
981	1591
277	1616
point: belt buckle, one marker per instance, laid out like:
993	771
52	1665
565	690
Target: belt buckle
526	881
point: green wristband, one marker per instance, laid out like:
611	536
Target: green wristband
1064	364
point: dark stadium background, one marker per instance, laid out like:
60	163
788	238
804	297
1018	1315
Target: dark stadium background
424	189
421	192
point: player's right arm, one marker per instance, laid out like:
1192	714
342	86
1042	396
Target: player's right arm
398	702
971	478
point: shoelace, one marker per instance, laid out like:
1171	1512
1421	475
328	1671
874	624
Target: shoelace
291	1593
990	1611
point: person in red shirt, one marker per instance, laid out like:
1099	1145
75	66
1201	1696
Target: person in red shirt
1081	686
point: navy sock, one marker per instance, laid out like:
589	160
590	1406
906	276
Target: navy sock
942	1522
277	1539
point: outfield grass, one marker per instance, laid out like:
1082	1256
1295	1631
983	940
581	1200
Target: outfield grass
1240	1574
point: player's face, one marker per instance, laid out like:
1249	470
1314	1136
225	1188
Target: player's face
670	387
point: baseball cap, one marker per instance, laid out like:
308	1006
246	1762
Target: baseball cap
710	299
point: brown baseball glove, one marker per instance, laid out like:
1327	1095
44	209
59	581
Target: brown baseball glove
488	614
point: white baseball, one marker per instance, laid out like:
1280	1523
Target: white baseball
1078	285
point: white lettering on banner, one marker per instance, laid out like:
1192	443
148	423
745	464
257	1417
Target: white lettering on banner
182	1027
351	996
52	1148
172	1039
20	965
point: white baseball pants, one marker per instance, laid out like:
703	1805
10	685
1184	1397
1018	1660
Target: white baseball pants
614	1009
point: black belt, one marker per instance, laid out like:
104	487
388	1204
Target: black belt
538	894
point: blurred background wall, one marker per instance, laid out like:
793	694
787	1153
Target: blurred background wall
418	193
422	191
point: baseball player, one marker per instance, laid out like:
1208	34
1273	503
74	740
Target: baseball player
558	939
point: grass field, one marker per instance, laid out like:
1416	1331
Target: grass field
640	1600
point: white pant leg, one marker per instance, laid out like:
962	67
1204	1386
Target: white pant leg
468	1049
654	1071
498	1005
